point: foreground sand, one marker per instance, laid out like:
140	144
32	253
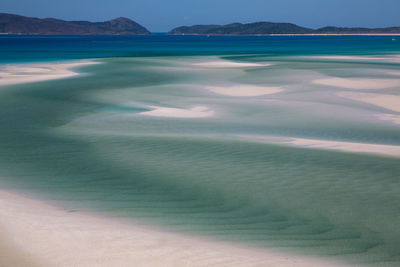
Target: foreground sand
42	235
27	73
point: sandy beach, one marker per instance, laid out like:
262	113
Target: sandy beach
36	72
50	236
244	90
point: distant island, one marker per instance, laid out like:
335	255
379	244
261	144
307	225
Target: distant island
15	24
270	28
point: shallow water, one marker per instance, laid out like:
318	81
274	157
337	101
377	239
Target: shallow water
83	142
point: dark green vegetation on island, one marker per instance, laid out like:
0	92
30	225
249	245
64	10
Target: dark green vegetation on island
274	28
15	24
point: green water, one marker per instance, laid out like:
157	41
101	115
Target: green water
83	143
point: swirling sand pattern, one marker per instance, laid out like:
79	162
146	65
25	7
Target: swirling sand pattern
99	151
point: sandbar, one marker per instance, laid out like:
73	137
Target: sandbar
384	59
28	73
244	90
390	117
387	150
394	73
195	112
229	64
353	147
358	83
390	102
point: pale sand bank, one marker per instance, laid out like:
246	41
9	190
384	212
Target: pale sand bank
229	64
244	90
16	74
196	112
384	59
390	117
353	147
56	237
353	58
358	83
387	150
390	102
394	73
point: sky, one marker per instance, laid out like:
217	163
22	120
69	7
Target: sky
163	15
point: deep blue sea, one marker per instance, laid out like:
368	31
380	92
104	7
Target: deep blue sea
43	48
224	137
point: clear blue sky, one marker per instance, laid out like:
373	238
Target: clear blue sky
163	15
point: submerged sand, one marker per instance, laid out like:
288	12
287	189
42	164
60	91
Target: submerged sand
358	83
16	74
57	237
384	59
244	90
352	58
390	117
345	146
229	64
394	73
195	112
390	102
387	150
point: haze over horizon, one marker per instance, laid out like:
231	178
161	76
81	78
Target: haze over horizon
162	16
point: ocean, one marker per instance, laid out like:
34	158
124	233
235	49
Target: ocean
283	142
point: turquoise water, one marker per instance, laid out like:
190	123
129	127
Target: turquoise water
83	143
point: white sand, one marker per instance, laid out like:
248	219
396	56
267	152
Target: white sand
358	83
394	73
244	90
56	237
229	64
387	150
386	58
390	102
390	117
12	256
15	74
196	112
352	58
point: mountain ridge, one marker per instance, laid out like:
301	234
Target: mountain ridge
17	24
260	28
